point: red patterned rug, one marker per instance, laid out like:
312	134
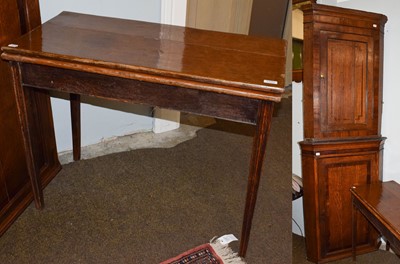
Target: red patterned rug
211	253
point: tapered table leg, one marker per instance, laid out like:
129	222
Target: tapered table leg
75	104
259	145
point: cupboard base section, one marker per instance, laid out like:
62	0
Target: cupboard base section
330	169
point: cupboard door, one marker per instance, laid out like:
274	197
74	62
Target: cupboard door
346	85
329	170
336	175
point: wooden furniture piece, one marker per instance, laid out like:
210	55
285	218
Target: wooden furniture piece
379	203
217	74
342	102
75	106
16	18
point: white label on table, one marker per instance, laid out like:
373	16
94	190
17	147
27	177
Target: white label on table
270	82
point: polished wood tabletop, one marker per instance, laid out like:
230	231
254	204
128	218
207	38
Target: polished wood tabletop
222	62
380	204
223	75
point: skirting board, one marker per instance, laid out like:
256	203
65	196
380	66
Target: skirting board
190	124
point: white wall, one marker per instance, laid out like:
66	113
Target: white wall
391	93
99	123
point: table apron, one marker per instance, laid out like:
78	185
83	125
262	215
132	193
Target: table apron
236	108
394	241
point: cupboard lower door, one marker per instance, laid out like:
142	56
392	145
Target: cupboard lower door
327	179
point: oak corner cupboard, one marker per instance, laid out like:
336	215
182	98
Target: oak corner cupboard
343	145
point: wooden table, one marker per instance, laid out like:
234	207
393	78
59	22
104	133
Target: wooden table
222	75
380	204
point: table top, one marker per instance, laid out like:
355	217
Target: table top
382	199
199	59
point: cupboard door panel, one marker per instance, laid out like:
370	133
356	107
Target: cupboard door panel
347	94
336	175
